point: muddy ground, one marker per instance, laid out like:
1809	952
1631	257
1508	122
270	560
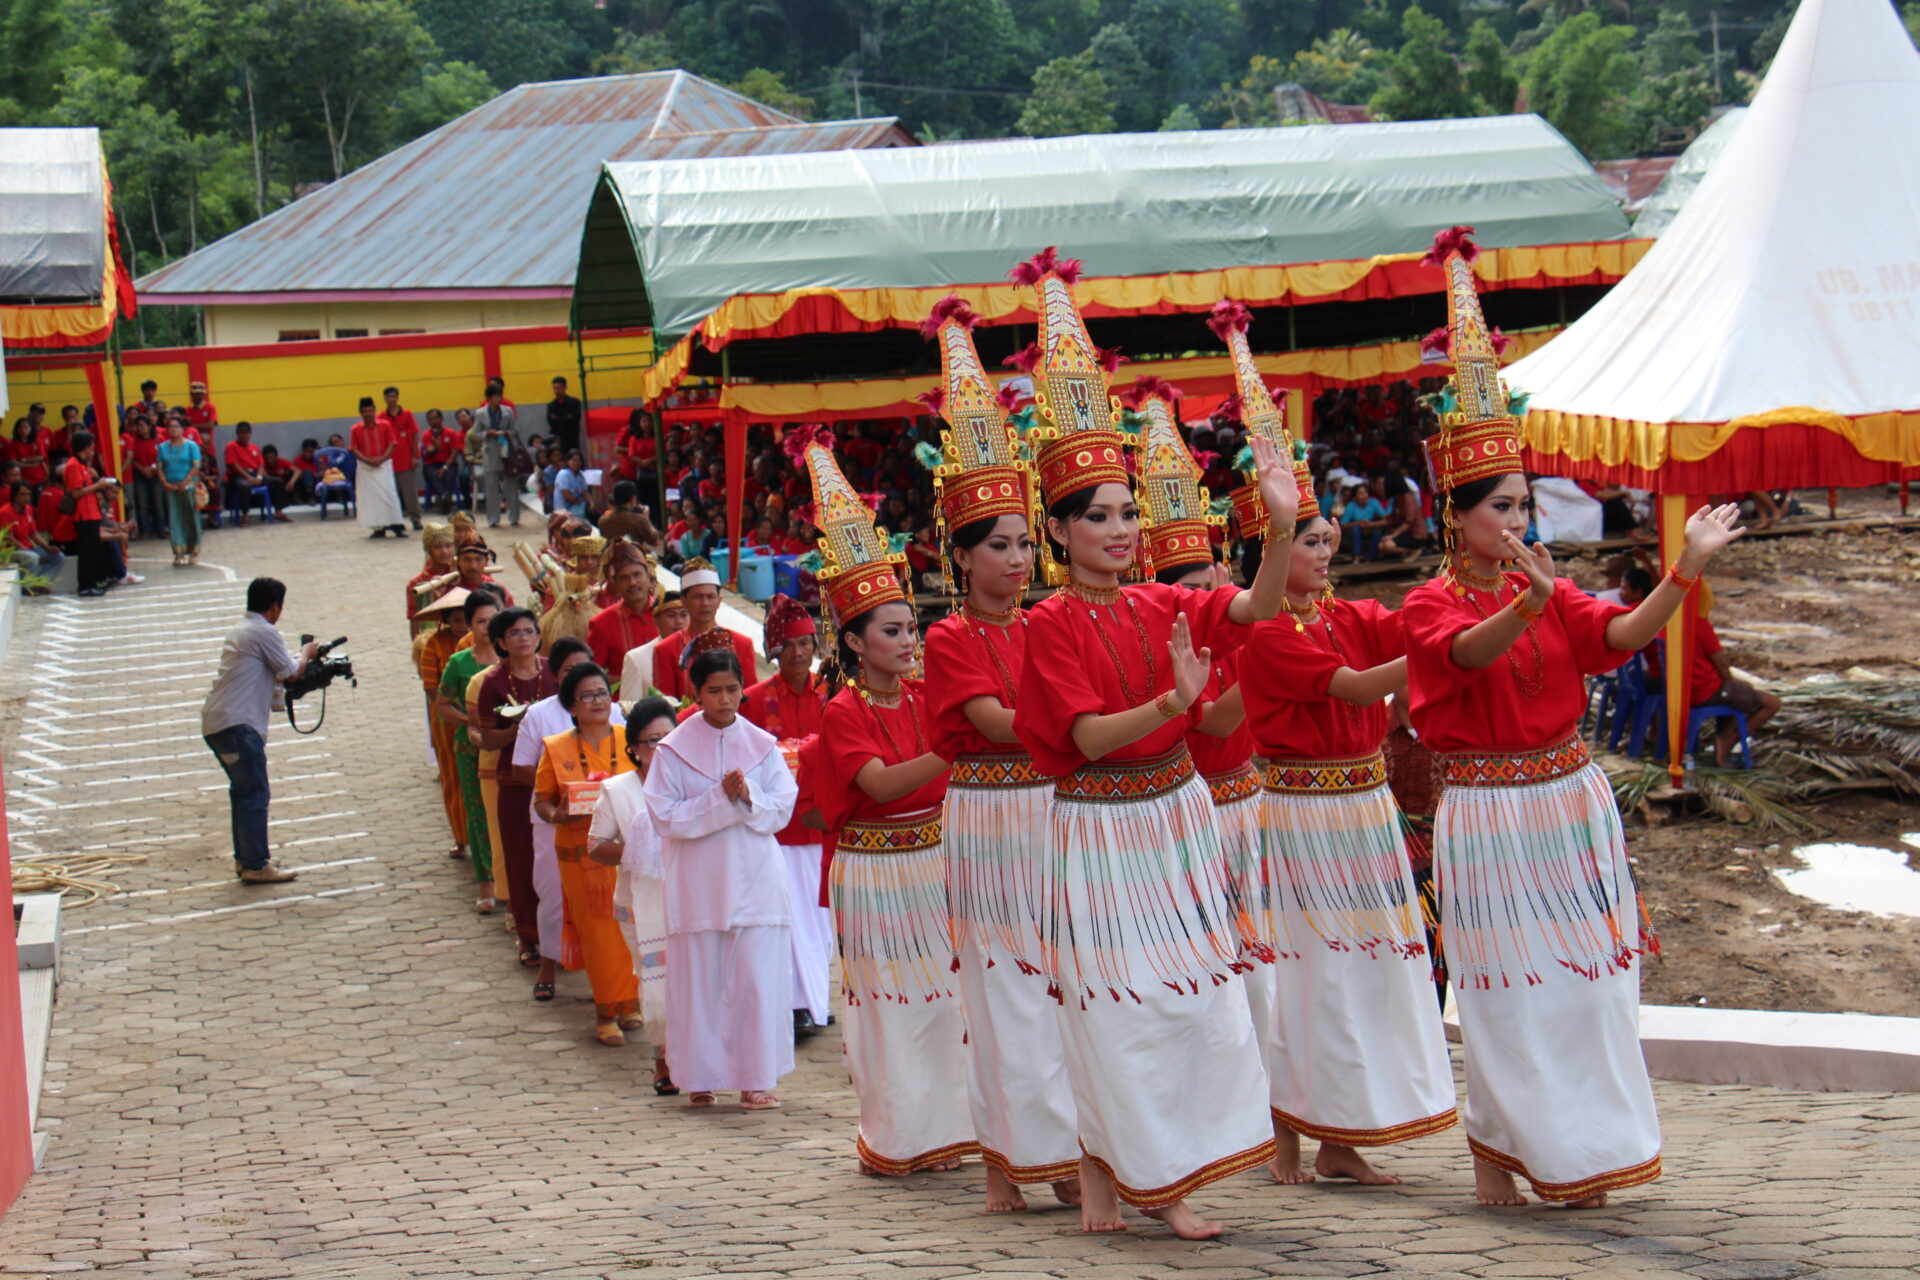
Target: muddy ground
1732	936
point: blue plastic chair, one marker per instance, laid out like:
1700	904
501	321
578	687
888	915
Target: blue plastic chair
1700	717
335	456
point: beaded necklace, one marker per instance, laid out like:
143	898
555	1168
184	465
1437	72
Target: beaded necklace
971	618
905	695
1109	596
1530	685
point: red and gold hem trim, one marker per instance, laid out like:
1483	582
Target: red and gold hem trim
1024	1174
1619	1179
1229	788
912	1164
995	770
1369	1137
1322	777
1107	782
618	1009
909	833
1515	769
1161	1197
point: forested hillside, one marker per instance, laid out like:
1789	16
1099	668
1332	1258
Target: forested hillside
218	111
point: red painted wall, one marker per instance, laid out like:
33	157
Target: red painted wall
16	1139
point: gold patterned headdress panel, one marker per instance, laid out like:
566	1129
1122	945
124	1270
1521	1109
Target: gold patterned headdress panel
1077	441
980	474
1176	520
860	570
1259	412
1478	436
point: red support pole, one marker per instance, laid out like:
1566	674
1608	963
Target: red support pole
1833	503
16	1135
735	432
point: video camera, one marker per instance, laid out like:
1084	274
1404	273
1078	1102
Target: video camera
318	674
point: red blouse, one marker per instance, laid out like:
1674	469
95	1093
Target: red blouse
1287	672
1087	659
968	659
774	706
1455	709
1211	755
616	630
854	731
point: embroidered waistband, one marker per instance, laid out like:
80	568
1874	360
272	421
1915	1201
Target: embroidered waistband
1109	782
1012	770
1515	769
1237	784
906	833
1320	777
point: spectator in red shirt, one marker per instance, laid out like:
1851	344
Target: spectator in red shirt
33	546
404	433
29	449
280	475
246	472
306	472
1710	678
201	415
378	505
60	442
83	485
141	453
440	447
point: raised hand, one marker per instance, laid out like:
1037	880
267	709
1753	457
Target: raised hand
1189	668
1277	487
1708	530
1536	562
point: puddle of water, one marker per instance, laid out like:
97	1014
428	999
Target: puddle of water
1852	877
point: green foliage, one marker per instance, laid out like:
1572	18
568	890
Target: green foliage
33	35
770	87
1069	96
1578	79
1489	78
446	92
945	49
512	40
1248	103
1910	14
1342	66
1424	81
1182	118
1129	80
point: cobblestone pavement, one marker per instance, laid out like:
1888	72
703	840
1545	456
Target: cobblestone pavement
344	1077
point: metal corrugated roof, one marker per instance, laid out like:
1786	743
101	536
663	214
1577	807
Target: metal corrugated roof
496	198
53	223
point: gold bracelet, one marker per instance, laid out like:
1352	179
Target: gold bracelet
1164	705
1524	611
1276	533
1680	579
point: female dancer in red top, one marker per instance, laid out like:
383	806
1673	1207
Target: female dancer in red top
996	812
879	788
1538	903
1357	1056
1143	929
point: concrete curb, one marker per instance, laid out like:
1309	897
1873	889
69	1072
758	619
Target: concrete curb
1825	1052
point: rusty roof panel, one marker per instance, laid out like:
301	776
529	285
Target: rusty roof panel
496	198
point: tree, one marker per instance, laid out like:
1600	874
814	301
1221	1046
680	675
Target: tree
446	92
1911	16
315	31
958	55
1069	97
770	87
514	41
33	36
1341	66
634	54
1248	103
1578	79
1488	77
1423	80
1181	119
1129	79
1190	46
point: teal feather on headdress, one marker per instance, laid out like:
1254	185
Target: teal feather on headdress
897	542
1220	506
1442	402
1131	423
1517	402
1243	460
812	562
1299	450
928	455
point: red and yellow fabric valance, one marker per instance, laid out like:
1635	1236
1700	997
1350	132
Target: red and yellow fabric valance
76	324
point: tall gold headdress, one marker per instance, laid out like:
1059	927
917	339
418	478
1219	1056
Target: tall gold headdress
1479	436
1176	518
978	473
859	570
1259	412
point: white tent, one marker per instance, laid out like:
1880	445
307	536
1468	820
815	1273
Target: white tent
1786	294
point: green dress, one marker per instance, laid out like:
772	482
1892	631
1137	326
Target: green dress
461	668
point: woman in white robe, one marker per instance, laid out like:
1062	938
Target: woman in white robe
719	791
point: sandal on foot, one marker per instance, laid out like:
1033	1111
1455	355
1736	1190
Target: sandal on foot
483	906
630	1022
542	992
664	1087
529	957
609	1034
758	1100
702	1099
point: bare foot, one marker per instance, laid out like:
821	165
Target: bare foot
1002	1195
1598	1201
945	1166
1337	1161
1099	1200
1186	1224
1067	1191
1493	1185
1285	1165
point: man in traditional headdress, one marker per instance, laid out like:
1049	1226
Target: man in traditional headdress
627	623
439	574
700	589
789	704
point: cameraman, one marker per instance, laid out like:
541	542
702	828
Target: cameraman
254	663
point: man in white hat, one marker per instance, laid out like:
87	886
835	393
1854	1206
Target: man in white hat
700	592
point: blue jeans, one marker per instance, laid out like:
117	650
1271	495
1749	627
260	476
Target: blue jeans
243	754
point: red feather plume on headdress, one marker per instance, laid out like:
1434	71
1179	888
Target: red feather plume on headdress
1228	410
1110	359
951	307
1437	343
1026	359
1452	240
1144	388
795	442
1500	342
1047	260
1009	395
804	513
1227	317
935	400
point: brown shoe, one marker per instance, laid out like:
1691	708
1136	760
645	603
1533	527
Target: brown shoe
268	874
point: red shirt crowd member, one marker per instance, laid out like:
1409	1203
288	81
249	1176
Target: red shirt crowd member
402	431
627	623
202	417
700	592
29	448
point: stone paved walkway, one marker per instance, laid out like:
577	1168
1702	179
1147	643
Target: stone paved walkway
344	1077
